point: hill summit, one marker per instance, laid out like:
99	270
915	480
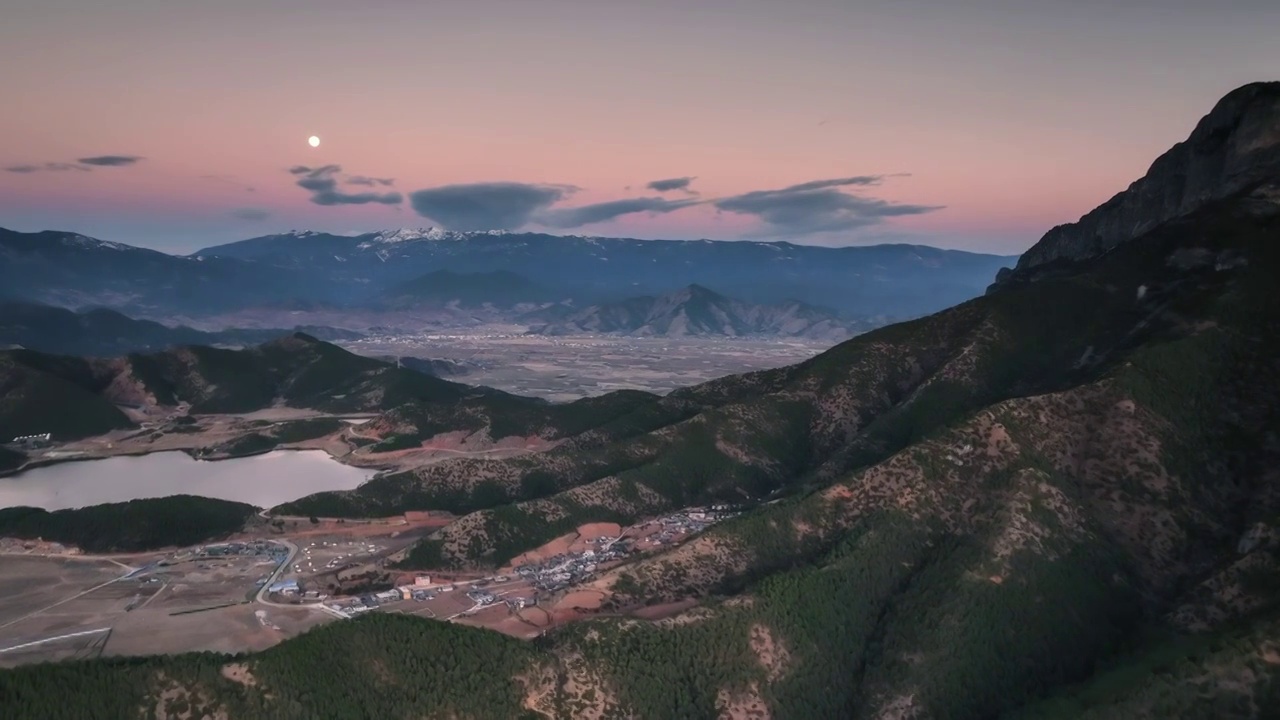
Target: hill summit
1234	151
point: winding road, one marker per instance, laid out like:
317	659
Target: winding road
275	575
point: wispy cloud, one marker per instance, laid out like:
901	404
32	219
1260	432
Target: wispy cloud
680	183
110	160
322	183
370	181
81	165
249	213
486	206
602	212
819	206
46	167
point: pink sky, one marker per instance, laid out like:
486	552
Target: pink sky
1013	116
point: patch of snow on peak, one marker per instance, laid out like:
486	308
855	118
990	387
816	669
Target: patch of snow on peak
407	234
88	242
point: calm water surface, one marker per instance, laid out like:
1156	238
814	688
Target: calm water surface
262	480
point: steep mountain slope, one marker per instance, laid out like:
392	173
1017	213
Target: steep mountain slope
103	332
1090	454
1057	500
51	394
64	268
692	311
1234	151
882	280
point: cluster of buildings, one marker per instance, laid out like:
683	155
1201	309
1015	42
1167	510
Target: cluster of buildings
560	571
29	442
418	592
251	548
690	521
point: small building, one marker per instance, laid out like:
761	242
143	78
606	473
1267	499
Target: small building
33	441
422	580
286	587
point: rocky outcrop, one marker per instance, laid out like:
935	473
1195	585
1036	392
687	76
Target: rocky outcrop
1234	151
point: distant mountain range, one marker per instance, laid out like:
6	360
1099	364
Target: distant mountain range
101	332
690	312
72	270
500	289
309	269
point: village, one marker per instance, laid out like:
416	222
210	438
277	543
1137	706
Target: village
536	578
252	591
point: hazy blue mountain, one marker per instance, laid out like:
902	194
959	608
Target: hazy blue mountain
72	270
893	280
307	269
101	331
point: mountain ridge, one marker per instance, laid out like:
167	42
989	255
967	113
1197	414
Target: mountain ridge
1233	150
106	332
692	311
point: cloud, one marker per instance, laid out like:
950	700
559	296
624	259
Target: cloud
819	206
322	182
110	160
680	183
487	205
46	167
250	214
370	181
601	212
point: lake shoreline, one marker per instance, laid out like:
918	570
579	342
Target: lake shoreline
177	472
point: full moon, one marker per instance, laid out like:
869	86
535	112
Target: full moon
313	141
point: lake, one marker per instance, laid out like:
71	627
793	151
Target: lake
263	480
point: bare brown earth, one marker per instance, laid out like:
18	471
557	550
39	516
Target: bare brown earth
742	704
773	657
576	541
581	600
673	612
239	672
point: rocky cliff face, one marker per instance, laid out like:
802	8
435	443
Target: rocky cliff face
1233	151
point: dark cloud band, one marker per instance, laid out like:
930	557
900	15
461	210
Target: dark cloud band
110	160
680	183
322	183
602	212
486	206
819	206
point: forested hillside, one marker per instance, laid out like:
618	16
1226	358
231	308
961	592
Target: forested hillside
1058	500
133	526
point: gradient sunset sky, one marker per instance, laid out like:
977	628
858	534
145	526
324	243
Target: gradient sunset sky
972	124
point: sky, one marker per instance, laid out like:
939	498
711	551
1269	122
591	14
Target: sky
970	124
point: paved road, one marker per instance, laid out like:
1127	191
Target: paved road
262	591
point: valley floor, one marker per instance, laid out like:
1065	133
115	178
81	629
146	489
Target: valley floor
572	367
60	604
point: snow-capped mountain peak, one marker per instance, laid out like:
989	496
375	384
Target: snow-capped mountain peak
88	242
406	234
